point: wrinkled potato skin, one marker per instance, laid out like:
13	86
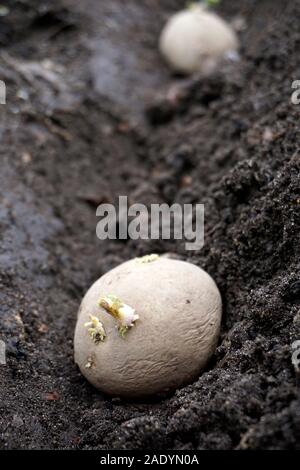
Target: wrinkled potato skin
195	40
179	308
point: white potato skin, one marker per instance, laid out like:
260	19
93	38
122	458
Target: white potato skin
194	40
179	308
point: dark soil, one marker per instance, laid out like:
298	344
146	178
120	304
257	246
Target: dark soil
89	117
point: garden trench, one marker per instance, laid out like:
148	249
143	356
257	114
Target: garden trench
92	113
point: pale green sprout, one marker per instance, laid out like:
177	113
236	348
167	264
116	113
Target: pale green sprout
147	259
124	314
95	329
211	3
90	363
204	3
4	11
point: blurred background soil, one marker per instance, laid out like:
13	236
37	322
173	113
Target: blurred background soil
93	113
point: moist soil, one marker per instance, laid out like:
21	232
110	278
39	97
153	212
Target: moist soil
92	112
